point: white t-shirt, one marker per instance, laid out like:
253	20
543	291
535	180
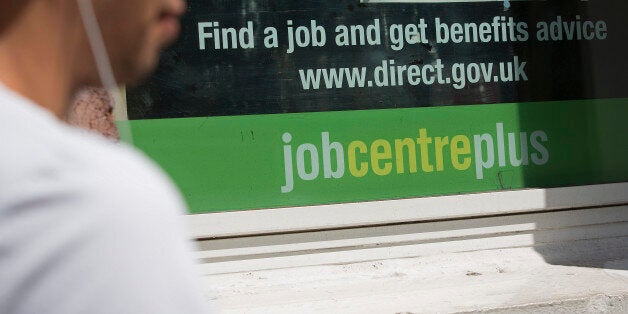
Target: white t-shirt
86	226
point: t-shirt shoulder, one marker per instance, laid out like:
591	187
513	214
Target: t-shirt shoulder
94	217
39	150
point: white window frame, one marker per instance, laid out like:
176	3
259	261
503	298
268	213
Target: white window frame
335	216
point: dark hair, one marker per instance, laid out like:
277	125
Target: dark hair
11	9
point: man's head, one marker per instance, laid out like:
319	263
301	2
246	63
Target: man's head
135	31
45	51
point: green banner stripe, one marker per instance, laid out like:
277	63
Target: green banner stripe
267	161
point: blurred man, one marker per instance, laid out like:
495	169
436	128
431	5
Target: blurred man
86	225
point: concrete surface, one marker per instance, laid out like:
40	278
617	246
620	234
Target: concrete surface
516	280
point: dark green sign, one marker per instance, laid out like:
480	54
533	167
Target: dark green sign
316	102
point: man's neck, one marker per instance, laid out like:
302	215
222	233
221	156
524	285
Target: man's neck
37	55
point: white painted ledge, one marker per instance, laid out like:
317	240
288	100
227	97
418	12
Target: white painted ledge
335	216
345	246
567	261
